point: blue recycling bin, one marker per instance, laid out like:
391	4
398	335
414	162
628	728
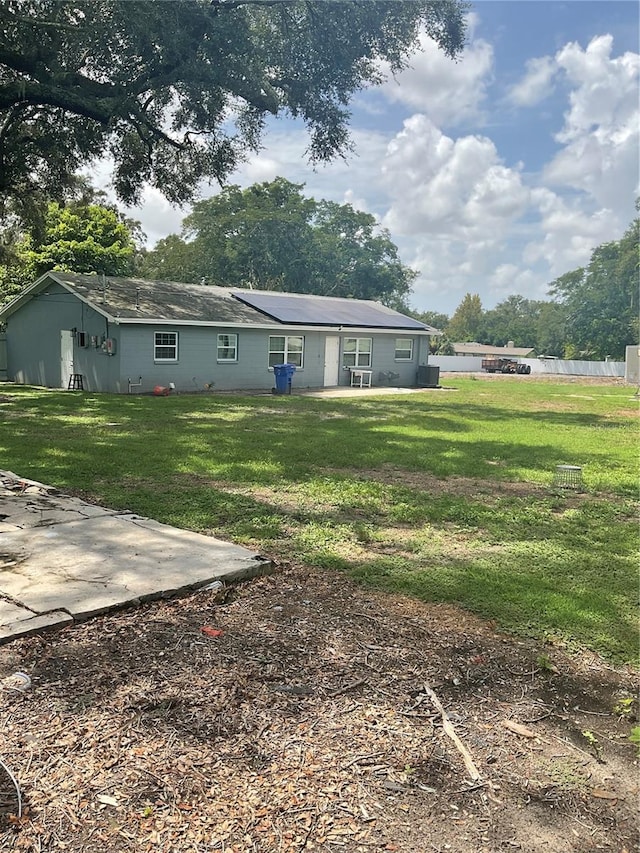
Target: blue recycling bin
283	375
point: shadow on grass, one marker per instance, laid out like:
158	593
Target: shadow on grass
553	599
78	441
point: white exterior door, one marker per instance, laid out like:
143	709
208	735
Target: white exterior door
66	357
331	361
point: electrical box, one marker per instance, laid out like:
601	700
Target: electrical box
109	346
82	339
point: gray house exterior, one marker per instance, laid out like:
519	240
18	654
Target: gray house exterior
130	336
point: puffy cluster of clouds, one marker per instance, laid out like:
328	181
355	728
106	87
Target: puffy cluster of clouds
479	224
599	138
432	79
443	186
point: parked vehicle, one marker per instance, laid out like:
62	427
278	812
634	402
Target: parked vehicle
505	365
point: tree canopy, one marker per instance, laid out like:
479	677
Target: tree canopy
271	237
177	92
514	319
601	300
467	322
82	237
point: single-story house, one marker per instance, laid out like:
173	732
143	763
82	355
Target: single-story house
473	348
126	335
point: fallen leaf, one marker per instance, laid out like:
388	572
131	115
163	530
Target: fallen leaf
604	795
211	632
517	729
106	800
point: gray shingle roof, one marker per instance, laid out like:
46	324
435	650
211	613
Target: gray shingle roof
474	348
137	300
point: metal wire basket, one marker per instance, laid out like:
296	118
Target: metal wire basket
568	477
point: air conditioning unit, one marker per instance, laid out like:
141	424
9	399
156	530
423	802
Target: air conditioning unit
428	376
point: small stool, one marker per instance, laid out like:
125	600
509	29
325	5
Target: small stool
75	382
568	477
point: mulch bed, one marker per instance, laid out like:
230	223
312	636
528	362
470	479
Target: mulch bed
307	725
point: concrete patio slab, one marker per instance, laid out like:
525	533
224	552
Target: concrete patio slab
63	559
16	621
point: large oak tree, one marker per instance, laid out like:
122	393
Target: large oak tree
174	92
271	237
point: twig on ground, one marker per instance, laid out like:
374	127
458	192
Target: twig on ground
15	784
361	758
348	687
472	770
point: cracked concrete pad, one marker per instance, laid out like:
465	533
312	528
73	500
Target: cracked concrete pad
87	567
16	621
42	510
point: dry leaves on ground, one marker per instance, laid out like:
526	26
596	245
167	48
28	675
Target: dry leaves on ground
306	725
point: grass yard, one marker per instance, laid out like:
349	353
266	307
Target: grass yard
445	495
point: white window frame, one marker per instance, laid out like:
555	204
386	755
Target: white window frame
157	346
408	349
287	352
361	357
228	346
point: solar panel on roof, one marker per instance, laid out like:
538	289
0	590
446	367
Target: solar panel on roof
326	311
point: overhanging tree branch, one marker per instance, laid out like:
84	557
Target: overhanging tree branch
83	76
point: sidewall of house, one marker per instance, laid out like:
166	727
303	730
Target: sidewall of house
34	342
198	368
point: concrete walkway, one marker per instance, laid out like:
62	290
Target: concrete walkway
62	559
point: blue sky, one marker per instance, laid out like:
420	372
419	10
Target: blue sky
496	174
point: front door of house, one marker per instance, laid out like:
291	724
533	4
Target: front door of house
331	361
66	357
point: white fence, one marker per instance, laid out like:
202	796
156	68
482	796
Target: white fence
549	366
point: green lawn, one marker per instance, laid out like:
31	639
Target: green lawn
445	495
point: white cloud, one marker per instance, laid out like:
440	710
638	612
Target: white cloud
352	181
449	92
157	215
567	233
439	186
536	84
601	130
260	169
508	279
453	204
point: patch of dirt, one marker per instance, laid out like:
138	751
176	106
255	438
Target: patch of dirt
450	485
306	726
387	474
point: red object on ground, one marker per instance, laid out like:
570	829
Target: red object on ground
211	632
160	391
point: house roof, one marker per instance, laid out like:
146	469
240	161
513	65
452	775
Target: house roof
134	300
474	348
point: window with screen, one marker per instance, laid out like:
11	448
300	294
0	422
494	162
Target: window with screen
165	347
